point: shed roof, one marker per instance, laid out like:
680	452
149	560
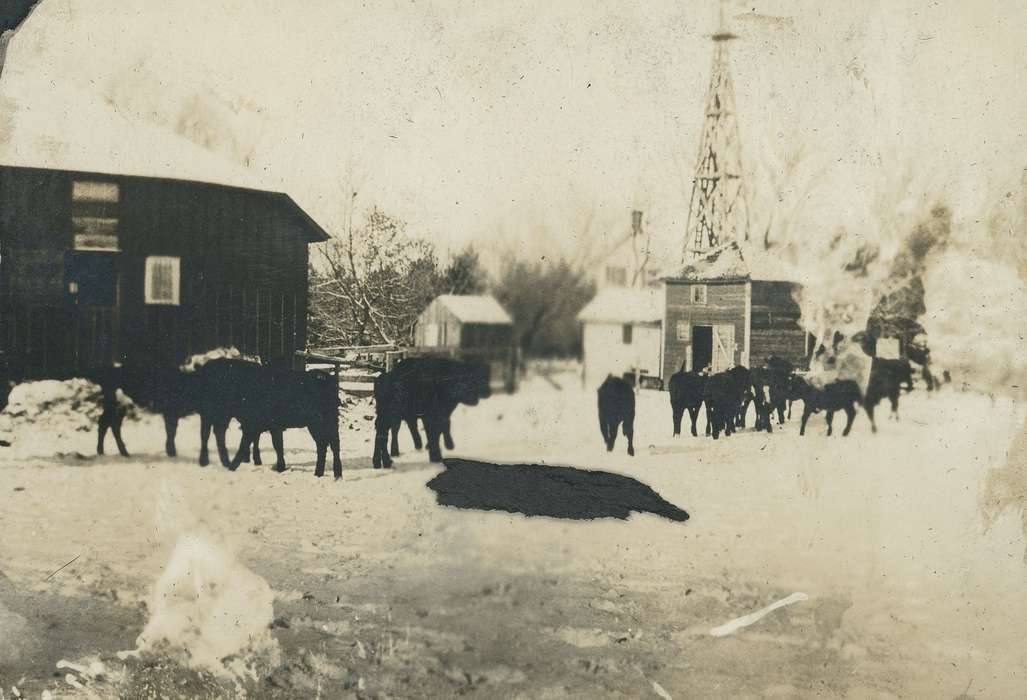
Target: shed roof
475	308
624	305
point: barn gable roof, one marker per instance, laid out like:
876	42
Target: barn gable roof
727	263
475	308
315	234
95	139
624	305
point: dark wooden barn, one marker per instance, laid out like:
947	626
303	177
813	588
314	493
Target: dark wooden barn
719	314
104	268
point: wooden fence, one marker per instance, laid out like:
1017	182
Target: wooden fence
357	366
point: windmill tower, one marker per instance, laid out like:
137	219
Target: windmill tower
718	211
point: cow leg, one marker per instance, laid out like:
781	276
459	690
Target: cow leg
333	442
394	443
414	433
204	437
895	406
629	433
870	414
830	418
101	432
256	450
677	413
850	415
612	429
321	440
781	413
433	427
381	456
220	427
447	438
119	417
806	413
276	440
170	429
244	441
693	413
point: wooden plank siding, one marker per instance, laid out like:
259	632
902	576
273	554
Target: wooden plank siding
243	274
725	305
775	324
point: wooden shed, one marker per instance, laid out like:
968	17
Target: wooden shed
472	326
97	268
719	313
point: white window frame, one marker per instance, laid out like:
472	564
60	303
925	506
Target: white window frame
176	280
698	294
683	331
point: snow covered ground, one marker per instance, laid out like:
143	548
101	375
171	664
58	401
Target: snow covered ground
380	592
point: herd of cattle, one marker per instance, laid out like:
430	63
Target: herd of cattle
771	389
265	399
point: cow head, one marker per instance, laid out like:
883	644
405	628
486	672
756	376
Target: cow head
798	388
470	382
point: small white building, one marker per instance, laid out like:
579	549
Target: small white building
622	333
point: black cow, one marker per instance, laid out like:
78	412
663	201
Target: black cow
761	381
887	378
781	372
722	396
165	390
225	385
283	398
686	392
616	408
770	389
839	395
429	388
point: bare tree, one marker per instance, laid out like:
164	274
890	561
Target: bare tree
372	283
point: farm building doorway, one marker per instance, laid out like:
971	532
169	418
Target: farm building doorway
91	288
702	347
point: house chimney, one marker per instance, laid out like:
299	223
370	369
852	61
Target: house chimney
636	223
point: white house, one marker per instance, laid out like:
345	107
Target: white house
622	333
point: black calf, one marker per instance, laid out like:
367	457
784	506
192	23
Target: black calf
887	378
616	408
429	388
289	399
839	395
686	392
165	390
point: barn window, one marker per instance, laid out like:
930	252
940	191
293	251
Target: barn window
616	275
91	191
94	221
699	294
683	332
626	334
162	280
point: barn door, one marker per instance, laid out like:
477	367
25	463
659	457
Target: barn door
723	347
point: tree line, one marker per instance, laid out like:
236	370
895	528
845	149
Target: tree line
369	284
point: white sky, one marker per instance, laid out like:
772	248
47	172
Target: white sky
514	122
